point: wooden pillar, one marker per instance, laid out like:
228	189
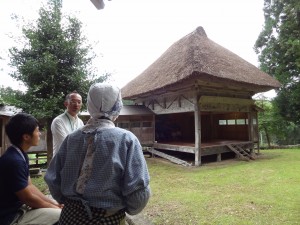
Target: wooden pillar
211	135
197	116
250	128
219	157
257	133
153	125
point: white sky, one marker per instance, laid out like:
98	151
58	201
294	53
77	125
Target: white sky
132	34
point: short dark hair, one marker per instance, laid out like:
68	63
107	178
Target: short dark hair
18	125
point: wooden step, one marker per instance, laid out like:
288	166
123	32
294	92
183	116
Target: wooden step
169	157
244	152
240	152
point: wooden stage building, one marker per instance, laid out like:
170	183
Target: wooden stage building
201	96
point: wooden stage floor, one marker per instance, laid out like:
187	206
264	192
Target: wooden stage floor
205	144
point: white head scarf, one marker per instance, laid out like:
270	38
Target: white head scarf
103	100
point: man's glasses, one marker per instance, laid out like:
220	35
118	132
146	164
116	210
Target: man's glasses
73	102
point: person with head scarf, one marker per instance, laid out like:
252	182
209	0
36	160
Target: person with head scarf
100	172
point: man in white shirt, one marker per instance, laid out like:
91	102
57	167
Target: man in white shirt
67	122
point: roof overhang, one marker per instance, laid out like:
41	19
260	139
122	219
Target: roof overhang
130	110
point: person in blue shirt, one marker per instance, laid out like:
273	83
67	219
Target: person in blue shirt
20	201
100	172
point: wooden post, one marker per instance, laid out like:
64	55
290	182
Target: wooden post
219	157
197	116
211	135
153	127
251	128
257	134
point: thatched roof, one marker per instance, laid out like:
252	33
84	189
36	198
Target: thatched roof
196	56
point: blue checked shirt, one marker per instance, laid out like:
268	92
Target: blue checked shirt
119	177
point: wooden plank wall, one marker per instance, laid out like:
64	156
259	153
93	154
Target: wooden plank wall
231	132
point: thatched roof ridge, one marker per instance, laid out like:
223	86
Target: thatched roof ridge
197	54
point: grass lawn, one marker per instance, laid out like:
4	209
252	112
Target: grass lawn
231	192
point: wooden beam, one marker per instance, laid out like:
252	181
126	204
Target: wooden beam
225	100
171	147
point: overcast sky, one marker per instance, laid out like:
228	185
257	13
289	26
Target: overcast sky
132	34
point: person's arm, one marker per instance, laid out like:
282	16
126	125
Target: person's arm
137	201
136	181
52	176
36	191
34	198
59	132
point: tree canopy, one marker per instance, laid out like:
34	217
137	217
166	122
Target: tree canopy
54	60
275	129
278	46
9	96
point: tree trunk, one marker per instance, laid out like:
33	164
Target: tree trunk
49	142
267	137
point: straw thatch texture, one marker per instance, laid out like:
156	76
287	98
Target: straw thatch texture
196	56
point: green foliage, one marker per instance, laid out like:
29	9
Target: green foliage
54	60
278	46
275	129
128	102
9	96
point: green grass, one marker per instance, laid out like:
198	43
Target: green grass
32	160
232	192
264	191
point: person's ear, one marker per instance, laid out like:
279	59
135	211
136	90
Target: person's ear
26	137
66	104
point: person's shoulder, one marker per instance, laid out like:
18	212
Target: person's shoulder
9	152
76	133
58	119
121	130
80	121
124	132
10	157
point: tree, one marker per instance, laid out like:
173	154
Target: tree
9	96
274	128
54	59
278	46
